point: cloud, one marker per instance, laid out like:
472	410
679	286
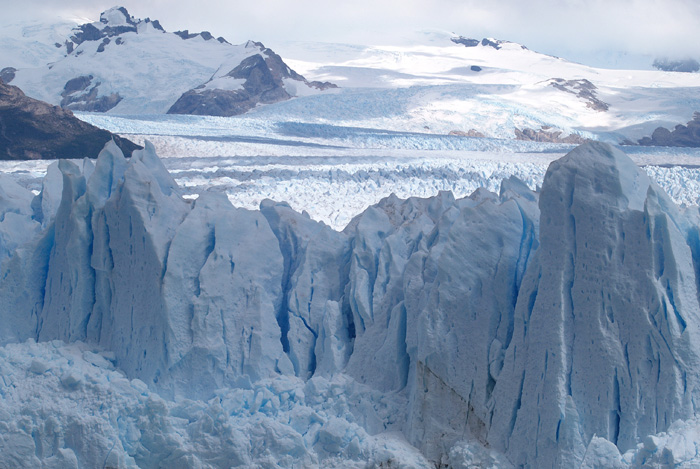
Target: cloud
654	27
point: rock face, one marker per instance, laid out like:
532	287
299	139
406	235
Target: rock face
7	74
258	79
681	136
113	22
470	133
584	89
548	135
31	129
465	41
485	42
687	65
81	94
206	35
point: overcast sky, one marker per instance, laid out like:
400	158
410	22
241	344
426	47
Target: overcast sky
574	29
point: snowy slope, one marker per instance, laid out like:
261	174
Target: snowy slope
437	86
132	66
34	44
509	87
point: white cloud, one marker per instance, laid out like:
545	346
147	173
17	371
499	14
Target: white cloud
654	27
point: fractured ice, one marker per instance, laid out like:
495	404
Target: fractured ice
557	328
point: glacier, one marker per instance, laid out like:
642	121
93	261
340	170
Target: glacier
554	327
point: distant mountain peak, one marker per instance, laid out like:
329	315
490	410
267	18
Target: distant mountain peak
485	42
130	63
117	16
113	22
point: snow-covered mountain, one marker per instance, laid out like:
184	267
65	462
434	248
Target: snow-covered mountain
125	65
486	86
559	328
448	83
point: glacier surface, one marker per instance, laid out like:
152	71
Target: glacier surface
555	327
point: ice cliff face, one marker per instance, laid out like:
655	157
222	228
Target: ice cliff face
555	327
605	338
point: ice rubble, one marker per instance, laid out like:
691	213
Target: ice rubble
556	328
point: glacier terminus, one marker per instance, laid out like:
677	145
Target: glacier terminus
548	328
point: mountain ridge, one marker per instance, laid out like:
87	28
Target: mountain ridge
124	64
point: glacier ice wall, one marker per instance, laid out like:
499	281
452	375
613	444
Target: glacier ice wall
605	338
548	326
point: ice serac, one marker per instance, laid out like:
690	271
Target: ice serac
315	323
385	237
460	296
605	333
222	290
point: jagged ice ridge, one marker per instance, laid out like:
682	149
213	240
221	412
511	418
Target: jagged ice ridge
557	328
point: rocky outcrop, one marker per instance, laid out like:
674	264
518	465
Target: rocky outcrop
681	136
206	35
113	22
486	42
686	65
584	89
32	129
466	41
7	74
548	135
470	133
258	79
82	94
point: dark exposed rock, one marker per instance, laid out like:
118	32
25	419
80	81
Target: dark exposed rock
263	76
681	136
155	23
89	32
686	65
548	135
76	84
7	74
80	94
465	41
206	35
86	32
486	42
584	89
185	34
470	133
260	86
101	47
32	129
322	85
213	102
127	16
475	68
